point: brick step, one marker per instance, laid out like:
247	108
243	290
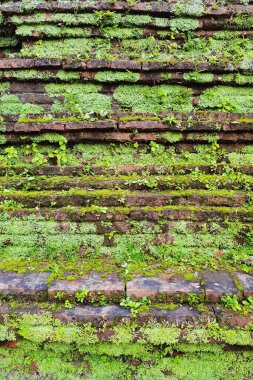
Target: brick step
89	241
141	7
156	77
226	131
78	170
134	182
222	121
120	214
187	321
120	64
87	198
140	137
207	286
149	23
30	226
202	28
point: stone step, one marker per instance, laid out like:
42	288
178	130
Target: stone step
119	214
141	7
44	199
120	64
134	182
98	287
109	170
225	133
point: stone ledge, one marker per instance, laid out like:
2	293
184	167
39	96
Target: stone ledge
29	285
145	66
111	287
217	284
164	288
161	289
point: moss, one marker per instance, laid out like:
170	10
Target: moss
226	98
189	8
172	137
154	99
79	99
52	31
4	88
123	33
198	77
1	18
184	24
78	47
117	76
10	105
8	42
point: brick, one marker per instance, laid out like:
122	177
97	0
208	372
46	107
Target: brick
93	314
156	288
180	316
16	63
229	318
28	285
111	286
246	281
217	284
47	62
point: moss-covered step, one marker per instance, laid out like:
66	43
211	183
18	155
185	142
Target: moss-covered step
110	170
100	287
89	101
118	198
187	8
196	180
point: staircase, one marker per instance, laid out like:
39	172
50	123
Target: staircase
126	177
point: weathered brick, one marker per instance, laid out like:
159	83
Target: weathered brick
112	287
16	63
93	314
29	285
246	281
217	284
156	288
229	318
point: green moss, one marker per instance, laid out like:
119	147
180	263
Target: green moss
123	33
143	99
78	47
4	88
189	8
8	42
117	76
79	99
172	137
52	31
10	105
1	18
226	98
198	77
184	24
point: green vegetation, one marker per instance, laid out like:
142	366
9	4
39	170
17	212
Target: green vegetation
227	99
141	99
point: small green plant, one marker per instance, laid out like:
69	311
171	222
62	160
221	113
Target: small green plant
99	209
135	306
59	296
68	305
81	296
231	302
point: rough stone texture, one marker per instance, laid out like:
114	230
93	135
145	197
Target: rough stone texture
112	287
158	288
217	284
232	319
93	314
30	285
246	281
